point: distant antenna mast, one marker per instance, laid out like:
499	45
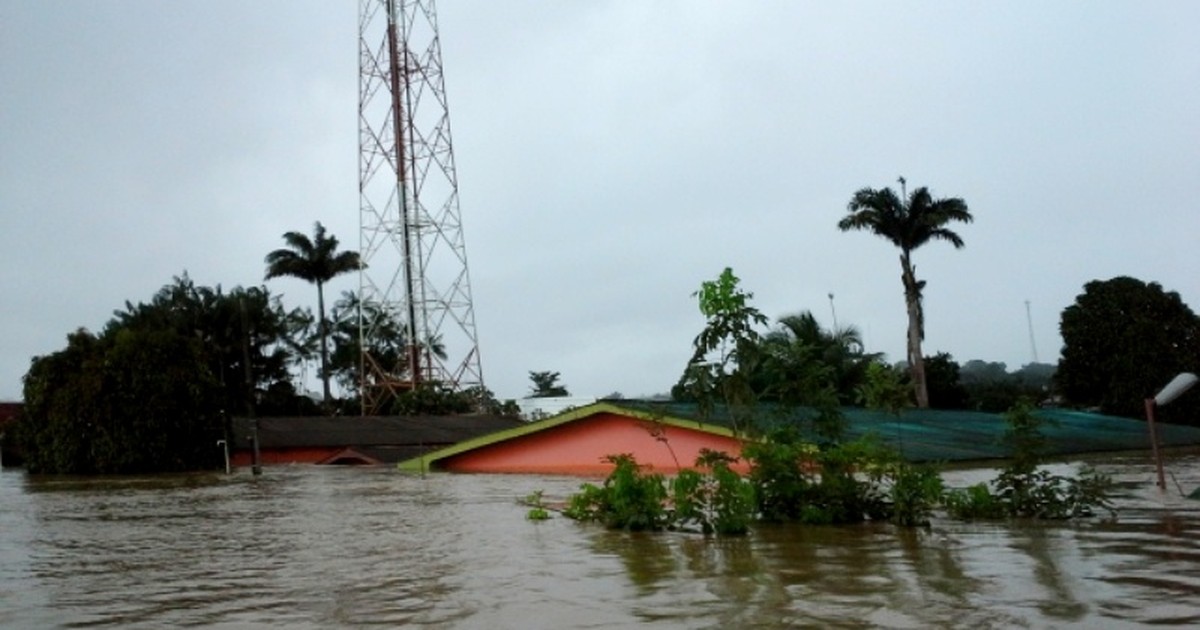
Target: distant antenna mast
411	238
1029	320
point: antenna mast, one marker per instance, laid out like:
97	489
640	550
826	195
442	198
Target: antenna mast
1029	320
411	238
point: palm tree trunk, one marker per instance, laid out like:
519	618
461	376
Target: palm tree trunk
916	362
323	331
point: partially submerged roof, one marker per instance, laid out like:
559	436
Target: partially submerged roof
919	435
430	460
383	438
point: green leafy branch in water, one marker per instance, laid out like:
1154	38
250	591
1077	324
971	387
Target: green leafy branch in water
537	508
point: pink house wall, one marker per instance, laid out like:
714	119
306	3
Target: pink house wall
579	448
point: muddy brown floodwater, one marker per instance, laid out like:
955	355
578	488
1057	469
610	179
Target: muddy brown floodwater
329	547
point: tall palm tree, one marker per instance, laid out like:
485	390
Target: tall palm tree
316	261
908	221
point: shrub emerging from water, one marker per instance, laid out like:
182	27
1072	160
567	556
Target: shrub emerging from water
833	483
839	482
719	501
1023	489
915	492
630	499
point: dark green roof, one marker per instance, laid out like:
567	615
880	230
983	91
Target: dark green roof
942	435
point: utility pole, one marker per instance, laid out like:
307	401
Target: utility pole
1029	321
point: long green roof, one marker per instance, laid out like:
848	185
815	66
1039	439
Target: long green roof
951	435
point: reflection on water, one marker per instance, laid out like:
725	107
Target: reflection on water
315	547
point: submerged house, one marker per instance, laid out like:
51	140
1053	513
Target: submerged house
355	439
667	436
578	442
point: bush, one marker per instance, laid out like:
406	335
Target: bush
846	482
630	499
720	501
915	492
1022	489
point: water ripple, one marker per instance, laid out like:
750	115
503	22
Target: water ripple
313	547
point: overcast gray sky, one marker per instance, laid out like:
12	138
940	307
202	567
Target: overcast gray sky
611	156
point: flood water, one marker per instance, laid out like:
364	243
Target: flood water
329	547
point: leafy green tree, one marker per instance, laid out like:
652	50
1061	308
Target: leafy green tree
386	345
130	401
727	351
1037	376
546	385
245	323
153	390
977	371
315	261
1123	340
989	386
884	389
944	383
799	350
908	223
992	388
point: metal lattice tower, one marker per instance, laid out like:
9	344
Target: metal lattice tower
411	237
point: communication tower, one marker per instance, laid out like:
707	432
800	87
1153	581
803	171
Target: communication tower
411	237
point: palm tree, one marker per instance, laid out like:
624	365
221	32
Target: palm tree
316	261
800	345
386	341
908	222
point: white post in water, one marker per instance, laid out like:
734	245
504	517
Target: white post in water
225	445
1178	385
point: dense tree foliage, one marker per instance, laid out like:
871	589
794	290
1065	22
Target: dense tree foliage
943	379
745	372
133	400
908	222
992	388
801	357
243	324
152	392
1123	340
